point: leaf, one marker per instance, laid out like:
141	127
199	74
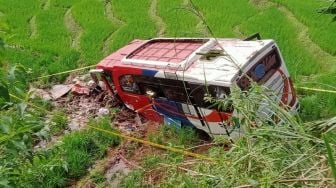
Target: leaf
4	94
4	183
4	128
330	155
11	73
21	108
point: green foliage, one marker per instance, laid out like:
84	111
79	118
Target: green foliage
37	37
136	19
68	160
59	122
90	15
330	153
19	127
179	21
320	25
151	161
175	136
133	179
97	177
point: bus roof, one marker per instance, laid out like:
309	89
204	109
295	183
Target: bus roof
216	61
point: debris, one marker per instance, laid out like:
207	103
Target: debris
78	89
40	93
60	90
103	111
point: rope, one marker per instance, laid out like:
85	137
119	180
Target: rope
64	72
145	142
317	89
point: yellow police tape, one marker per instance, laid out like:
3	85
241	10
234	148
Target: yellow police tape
316	89
146	142
65	72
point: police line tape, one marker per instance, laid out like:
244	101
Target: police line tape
316	89
131	138
64	72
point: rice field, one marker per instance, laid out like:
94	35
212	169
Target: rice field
49	36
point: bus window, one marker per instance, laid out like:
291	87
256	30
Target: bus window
262	70
175	93
128	84
148	84
146	89
218	92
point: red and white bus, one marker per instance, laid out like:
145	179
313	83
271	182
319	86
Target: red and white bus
165	79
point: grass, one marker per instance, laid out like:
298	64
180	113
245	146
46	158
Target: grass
320	25
179	22
68	160
137	23
90	16
59	122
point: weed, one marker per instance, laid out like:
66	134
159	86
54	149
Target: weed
69	159
151	161
133	179
97	177
59	121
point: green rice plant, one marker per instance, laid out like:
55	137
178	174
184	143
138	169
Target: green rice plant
223	16
179	137
51	34
321	28
137	23
178	21
97	28
318	105
17	14
97	177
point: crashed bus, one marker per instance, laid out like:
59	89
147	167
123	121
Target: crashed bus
166	79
